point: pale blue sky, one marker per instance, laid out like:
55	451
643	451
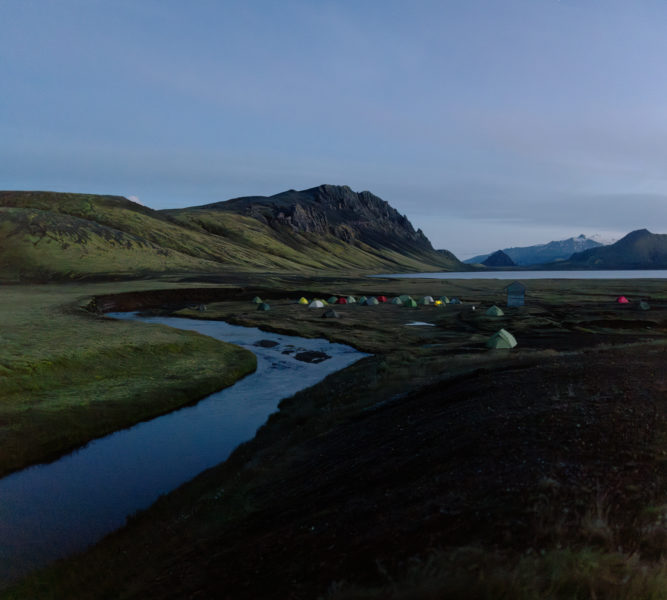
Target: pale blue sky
489	123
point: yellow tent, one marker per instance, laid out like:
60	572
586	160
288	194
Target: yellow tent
302	300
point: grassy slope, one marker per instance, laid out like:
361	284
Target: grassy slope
271	521
67	376
49	235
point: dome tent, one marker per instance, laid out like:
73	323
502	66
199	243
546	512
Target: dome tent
501	339
263	306
316	304
257	300
494	311
302	300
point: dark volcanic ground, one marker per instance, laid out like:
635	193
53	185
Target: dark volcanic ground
511	459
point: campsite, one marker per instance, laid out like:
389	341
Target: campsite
407	467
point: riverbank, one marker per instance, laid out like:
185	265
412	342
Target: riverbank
68	376
435	466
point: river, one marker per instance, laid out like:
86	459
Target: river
52	510
629	274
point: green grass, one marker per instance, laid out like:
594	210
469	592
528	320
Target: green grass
51	236
67	376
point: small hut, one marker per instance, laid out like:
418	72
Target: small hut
516	294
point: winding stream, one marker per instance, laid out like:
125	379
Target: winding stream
52	510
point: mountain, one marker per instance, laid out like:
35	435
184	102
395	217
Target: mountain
639	249
499	259
543	253
49	235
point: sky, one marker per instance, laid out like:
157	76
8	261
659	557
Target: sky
489	123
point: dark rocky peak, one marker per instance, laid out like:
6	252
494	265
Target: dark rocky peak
634	236
499	259
335	210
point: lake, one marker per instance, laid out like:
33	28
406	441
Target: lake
52	510
629	274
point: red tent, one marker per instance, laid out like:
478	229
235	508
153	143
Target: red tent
622	300
381	298
341	300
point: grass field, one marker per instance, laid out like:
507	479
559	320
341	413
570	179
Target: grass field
435	468
68	376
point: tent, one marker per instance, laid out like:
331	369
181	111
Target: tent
331	314
351	300
397	300
425	300
382	299
316	304
257	300
410	303
371	301
501	339
430	299
494	311
332	300
439	303
444	299
644	305
263	306
455	301
361	300
404	298
622	300
341	300
302	300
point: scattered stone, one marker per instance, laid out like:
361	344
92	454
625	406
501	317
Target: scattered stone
312	356
266	343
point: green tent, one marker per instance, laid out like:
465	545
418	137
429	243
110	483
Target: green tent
397	301
351	300
501	339
372	301
361	300
410	303
644	305
494	311
257	300
333	300
404	298
263	306
444	299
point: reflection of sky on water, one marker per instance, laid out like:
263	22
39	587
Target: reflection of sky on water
49	511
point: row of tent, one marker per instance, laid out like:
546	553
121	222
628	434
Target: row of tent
403	300
643	305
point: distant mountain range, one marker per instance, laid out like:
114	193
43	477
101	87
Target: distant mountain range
639	249
542	253
49	235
